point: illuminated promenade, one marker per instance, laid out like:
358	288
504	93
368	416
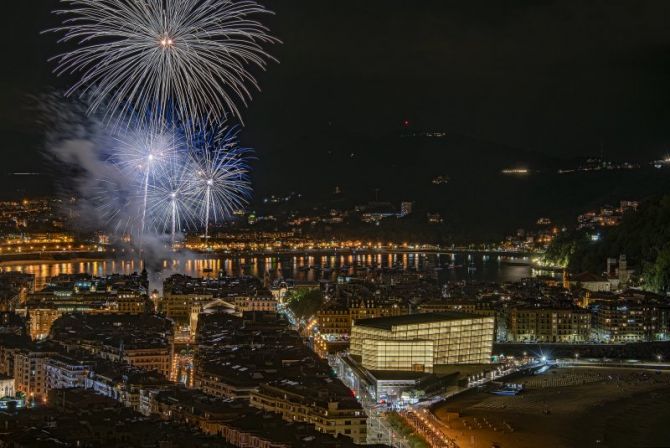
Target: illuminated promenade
97	252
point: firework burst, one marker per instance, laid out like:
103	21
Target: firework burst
171	200
186	59
142	156
220	177
156	183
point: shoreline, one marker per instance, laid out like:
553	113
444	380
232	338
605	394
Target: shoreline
64	257
52	261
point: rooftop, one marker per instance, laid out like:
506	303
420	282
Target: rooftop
76	417
587	277
387	323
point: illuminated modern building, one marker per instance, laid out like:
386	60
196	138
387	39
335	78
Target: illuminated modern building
381	386
335	320
418	342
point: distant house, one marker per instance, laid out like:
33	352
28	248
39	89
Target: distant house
591	282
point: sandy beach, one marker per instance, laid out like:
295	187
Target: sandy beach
566	408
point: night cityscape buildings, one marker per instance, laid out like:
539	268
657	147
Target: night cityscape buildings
225	223
418	342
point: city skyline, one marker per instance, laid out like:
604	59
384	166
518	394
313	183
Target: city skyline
335	224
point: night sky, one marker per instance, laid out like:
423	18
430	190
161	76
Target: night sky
552	78
562	77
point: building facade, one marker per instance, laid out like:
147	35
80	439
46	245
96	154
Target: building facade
64	373
255	303
178	306
527	324
330	415
339	318
30	373
631	319
400	343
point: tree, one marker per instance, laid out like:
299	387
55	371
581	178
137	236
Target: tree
643	236
565	246
304	303
656	275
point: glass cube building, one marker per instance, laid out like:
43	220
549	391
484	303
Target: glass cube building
419	342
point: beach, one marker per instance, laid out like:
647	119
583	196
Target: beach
565	407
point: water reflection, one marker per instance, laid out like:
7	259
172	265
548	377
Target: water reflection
447	266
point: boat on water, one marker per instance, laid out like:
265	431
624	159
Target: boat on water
508	389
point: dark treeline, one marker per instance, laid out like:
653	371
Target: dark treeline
643	236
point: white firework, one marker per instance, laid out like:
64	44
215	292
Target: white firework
171	198
220	179
169	60
143	156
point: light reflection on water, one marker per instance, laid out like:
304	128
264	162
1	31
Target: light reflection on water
448	267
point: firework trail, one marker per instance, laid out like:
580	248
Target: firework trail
156	77
143	182
172	186
142	156
172	202
189	59
220	177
